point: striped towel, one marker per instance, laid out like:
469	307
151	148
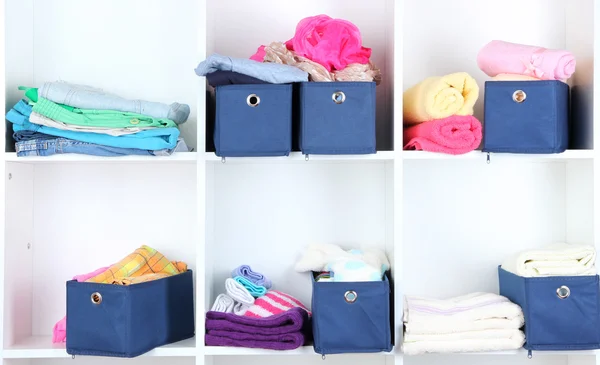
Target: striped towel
145	260
272	303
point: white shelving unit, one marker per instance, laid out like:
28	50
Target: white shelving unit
446	222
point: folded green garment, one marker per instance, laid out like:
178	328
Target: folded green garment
32	94
93	118
255	290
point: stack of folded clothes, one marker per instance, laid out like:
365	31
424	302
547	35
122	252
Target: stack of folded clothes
251	315
61	117
475	322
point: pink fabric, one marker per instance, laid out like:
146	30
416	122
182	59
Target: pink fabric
59	332
272	303
333	43
499	57
454	135
260	54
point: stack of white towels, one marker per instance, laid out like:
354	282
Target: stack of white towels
471	323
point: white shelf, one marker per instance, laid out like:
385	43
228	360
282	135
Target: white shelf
180	157
299	157
42	347
479	155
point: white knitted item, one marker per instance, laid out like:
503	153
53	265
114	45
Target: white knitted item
223	304
238	292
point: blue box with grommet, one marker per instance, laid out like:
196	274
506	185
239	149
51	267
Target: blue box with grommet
336	118
351	317
526	116
253	120
128	321
561	312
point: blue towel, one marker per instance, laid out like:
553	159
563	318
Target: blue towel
254	277
256	291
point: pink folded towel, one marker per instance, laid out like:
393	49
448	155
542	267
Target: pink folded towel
59	332
499	57
454	135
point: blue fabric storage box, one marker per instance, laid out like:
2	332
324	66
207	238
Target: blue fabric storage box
351	317
561	312
336	118
253	120
127	321
526	116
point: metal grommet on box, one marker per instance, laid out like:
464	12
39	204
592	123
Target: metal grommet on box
134	121
563	292
96	298
338	97
350	296
253	100
519	96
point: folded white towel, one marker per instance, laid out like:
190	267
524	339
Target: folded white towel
515	341
467	335
223	304
240	308
472	312
555	260
238	292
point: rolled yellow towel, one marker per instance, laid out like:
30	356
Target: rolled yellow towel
439	97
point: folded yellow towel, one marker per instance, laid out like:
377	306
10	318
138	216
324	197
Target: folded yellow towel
440	97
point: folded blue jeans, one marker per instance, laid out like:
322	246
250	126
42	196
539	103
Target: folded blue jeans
29	135
151	139
87	97
48	147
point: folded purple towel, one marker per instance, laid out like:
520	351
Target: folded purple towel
286	341
284	331
289	321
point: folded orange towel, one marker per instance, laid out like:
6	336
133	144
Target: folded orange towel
143	261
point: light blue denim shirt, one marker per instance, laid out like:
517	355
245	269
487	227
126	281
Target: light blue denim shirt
87	97
152	139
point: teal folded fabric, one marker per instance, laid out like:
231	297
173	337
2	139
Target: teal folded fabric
255	290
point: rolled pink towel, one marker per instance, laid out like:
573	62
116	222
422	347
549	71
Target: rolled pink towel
454	135
499	57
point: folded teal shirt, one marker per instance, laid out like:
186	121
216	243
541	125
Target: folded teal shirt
151	139
255	290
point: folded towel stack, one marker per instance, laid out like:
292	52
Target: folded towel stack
471	323
505	61
249	315
559	259
438	114
67	118
284	331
